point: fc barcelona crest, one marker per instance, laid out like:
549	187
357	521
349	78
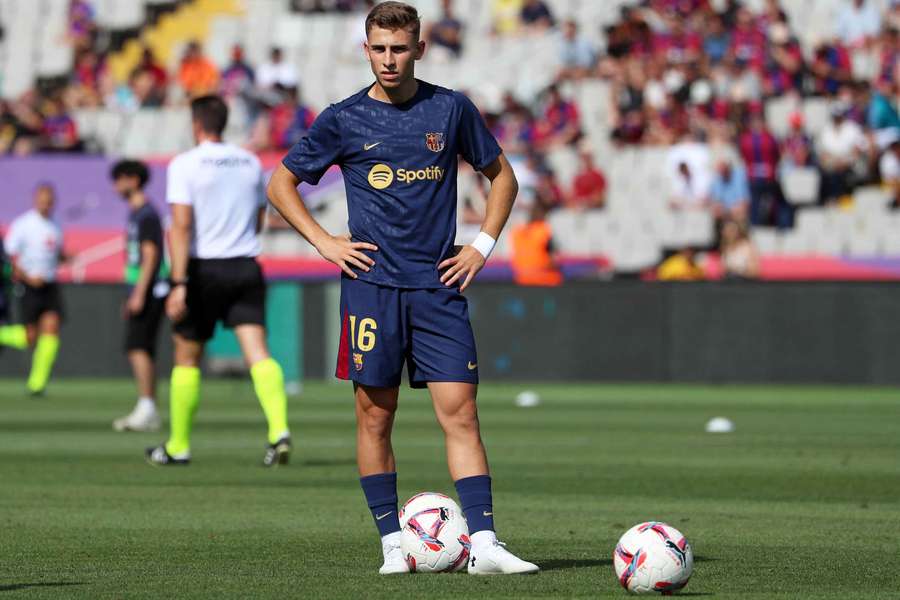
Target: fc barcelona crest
358	361
434	141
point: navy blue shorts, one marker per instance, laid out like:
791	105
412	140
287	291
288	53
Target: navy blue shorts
384	327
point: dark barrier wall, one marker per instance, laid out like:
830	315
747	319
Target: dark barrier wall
630	331
712	332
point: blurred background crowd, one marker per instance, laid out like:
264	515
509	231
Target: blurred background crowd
645	132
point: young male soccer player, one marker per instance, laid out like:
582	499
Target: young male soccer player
218	200
34	245
145	275
397	143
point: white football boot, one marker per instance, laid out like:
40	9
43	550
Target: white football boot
492	558
144	417
394	563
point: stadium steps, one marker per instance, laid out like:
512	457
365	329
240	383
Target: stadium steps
168	36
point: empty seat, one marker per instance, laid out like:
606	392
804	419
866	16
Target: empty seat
801	185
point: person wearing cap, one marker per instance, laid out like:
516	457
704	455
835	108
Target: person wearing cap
797	147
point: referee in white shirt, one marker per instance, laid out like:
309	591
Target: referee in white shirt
217	195
34	245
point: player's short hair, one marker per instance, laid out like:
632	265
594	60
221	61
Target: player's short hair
211	113
394	15
131	168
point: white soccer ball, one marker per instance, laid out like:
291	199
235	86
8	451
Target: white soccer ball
423	501
653	557
434	539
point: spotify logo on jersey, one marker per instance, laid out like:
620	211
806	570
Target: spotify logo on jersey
381	176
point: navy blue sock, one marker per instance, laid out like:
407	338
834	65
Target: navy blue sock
381	496
477	504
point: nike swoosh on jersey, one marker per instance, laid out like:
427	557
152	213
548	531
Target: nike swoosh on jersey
488	514
380	517
472	366
367	147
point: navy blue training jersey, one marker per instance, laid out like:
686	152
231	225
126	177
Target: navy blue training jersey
399	164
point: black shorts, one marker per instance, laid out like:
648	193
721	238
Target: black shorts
4	304
231	290
141	330
36	302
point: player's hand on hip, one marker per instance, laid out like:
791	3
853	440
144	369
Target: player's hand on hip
176	304
347	254
462	267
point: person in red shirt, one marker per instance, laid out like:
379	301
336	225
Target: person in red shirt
589	185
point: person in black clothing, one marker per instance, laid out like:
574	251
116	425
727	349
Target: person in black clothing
145	275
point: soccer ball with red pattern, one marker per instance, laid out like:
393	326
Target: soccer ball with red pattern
653	557
423	501
434	538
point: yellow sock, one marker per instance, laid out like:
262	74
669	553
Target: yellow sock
268	381
42	362
13	336
184	396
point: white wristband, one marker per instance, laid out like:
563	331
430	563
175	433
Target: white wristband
484	244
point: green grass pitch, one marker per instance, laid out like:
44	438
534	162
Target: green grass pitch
802	501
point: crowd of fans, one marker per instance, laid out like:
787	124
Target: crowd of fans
691	75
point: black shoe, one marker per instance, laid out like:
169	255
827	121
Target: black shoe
159	457
36	393
278	453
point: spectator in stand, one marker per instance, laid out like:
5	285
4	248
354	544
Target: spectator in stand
276	72
784	62
577	55
536	16
560	124
688	191
889	169
58	132
881	114
290	120
717	39
547	190
84	84
29	124
748	41
797	147
533	261
505	16
238	76
730	193
761	154
889	53
157	71
677	45
82	28
740	257
841	144
688	168
830	68
588	186
197	74
144	89
858	23
446	35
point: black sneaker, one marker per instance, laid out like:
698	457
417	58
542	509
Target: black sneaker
278	453
159	457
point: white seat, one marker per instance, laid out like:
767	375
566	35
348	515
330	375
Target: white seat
801	185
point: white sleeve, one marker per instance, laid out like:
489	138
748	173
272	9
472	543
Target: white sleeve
178	190
14	239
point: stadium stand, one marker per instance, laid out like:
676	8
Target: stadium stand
662	69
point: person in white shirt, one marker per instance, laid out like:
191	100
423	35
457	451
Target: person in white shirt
840	145
34	245
889	168
276	72
858	23
217	195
